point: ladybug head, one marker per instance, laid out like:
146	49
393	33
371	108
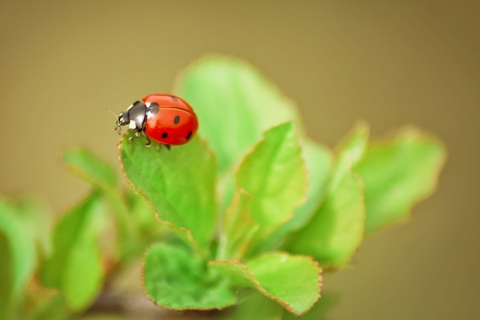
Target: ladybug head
134	117
123	119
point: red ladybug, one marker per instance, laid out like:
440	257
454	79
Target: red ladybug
165	118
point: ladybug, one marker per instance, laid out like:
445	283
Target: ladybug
165	118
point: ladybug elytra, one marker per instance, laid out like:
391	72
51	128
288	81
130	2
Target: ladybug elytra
164	118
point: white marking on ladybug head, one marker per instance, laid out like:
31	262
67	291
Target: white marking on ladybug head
132	124
147	104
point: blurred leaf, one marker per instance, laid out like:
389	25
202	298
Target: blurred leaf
45	303
274	174
234	103
89	167
36	221
6	278
102	175
397	174
336	230
255	306
350	150
20	258
292	281
176	278
145	217
238	228
319	310
318	160
76	266
180	184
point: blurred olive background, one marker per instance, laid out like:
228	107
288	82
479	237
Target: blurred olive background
65	64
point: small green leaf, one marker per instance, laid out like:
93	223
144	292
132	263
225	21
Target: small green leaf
319	310
21	251
274	174
180	184
76	266
255	306
86	165
336	230
292	281
397	174
238	228
177	278
350	150
235	104
36	221
318	160
103	176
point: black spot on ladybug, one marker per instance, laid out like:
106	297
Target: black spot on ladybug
189	135
174	99
164	135
176	120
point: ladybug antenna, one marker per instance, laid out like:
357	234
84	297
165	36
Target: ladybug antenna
117	127
114	115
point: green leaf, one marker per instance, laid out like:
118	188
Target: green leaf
238	228
349	152
318	160
292	281
274	174
76	266
180	184
234	103
397	174
89	167
255	306
103	176
144	216
20	259
336	230
177	278
36	221
319	310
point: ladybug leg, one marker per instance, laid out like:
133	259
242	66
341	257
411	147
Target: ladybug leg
168	147
135	136
148	140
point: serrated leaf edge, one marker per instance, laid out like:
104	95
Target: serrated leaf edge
259	287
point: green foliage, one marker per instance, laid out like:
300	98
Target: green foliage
246	226
336	229
181	192
397	173
76	264
275	163
235	105
178	278
278	275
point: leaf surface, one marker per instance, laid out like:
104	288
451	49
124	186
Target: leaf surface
274	175
76	265
398	173
179	184
234	103
336	229
292	281
177	278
